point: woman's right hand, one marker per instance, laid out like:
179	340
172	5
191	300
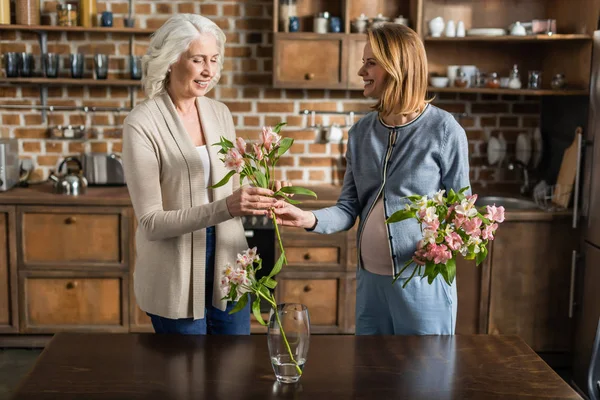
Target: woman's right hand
290	215
250	201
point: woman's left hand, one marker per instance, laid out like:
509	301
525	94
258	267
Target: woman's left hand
280	184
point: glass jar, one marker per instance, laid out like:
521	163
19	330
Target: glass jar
493	82
287	10
461	79
66	14
321	22
558	81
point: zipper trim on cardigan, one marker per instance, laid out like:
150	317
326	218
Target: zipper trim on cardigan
390	146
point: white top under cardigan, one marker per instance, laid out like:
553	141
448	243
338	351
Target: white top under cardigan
167	187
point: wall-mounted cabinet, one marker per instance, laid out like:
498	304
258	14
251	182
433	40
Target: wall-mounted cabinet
305	59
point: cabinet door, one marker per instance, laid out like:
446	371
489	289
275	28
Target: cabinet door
9	321
321	293
73	301
530	281
355	54
308	61
72	237
469	285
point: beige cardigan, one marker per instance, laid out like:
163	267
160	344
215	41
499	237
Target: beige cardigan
165	179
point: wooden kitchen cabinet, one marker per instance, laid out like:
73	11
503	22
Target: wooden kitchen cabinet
9	316
530	281
553	54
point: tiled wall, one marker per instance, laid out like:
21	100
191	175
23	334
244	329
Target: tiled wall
245	87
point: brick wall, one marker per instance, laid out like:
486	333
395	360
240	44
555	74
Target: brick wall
245	87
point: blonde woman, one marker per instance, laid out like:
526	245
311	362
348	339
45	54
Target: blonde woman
186	231
406	146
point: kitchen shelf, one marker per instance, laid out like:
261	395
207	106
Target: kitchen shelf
71	82
528	92
53	28
508	38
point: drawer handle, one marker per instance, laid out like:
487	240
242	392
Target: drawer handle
71	285
307	256
70	220
307	288
309	76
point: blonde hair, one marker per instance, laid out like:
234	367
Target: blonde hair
400	51
167	45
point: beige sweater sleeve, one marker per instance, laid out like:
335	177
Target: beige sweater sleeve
142	172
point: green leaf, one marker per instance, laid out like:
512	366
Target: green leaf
256	311
261	179
284	145
461	191
278	127
268	282
414	197
277	266
288	200
223	181
451	267
297	190
401	215
480	257
224	143
241	303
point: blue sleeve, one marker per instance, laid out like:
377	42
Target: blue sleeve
343	215
455	157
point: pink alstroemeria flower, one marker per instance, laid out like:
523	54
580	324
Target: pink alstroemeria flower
439	253
240	145
454	241
488	231
234	161
269	138
257	152
495	213
471	226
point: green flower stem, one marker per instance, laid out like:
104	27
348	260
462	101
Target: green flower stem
287	345
274	218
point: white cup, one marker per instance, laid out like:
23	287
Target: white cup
460	29
450	29
470	71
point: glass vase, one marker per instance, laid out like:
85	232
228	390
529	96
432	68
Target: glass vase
288	339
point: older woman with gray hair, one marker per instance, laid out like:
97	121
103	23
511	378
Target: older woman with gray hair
187	232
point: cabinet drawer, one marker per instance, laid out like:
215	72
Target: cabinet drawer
72	303
310	255
308	62
71	236
319	295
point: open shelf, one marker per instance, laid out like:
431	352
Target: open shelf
528	92
53	28
71	81
508	38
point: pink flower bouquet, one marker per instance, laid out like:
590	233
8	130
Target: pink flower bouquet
451	225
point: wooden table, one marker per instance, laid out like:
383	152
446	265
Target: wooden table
149	366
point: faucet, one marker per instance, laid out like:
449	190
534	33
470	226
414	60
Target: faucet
525	186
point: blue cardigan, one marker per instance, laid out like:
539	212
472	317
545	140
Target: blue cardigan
427	154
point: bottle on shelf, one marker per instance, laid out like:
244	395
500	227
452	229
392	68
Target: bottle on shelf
88	14
4	12
514	80
27	12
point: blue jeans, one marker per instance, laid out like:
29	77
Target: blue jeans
215	321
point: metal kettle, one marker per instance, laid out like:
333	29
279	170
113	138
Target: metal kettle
70	183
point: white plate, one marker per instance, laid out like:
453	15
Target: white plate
486	32
523	153
494	151
503	148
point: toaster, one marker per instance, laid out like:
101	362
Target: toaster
9	163
103	169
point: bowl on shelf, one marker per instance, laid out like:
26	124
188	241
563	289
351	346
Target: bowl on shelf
439	81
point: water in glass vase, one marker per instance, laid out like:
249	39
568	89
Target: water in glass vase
285	369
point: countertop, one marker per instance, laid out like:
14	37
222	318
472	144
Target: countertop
117	196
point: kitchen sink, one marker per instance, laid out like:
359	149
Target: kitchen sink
509	203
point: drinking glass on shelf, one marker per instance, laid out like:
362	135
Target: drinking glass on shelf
11	64
51	64
101	65
535	80
135	66
26	64
76	62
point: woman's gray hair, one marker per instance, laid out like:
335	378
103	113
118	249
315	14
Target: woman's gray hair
167	45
